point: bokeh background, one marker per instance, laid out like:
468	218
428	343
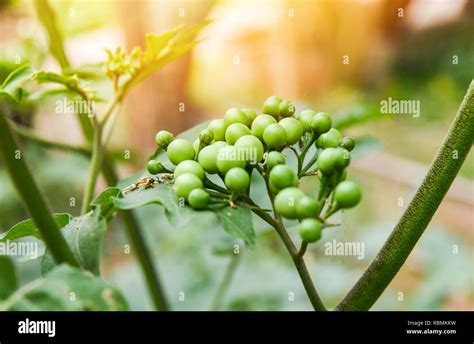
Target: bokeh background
418	50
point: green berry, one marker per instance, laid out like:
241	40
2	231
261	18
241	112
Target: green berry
180	150
347	143
217	127
207	158
326	161
275	158
251	115
310	230
189	166
163	138
286	200
347	194
154	167
235	131
293	129
198	199
306	207
342	158
260	124
305	118
229	157
321	123
237	179
274	136
251	147
186	183
234	115
286	108
271	106
282	176
329	139
206	136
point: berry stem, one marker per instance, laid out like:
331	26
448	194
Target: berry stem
417	216
298	260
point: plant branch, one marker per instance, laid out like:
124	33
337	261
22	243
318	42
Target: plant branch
225	283
31	195
32	136
435	185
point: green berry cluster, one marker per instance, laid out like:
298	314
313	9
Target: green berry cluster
233	146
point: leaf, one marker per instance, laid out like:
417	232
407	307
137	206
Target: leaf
8	282
71	82
55	291
12	86
237	222
28	228
47	17
105	202
161	194
160	50
84	235
356	116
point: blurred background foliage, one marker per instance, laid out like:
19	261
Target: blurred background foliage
418	50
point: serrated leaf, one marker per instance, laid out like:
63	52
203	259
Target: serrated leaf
8	281
28	228
53	293
12	87
237	221
84	235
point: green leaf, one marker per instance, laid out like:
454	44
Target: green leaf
8	282
178	215
355	116
12	87
84	235
71	82
237	222
47	17
66	289
160	50
28	228
105	202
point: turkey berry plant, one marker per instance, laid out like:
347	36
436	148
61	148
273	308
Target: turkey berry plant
244	142
214	173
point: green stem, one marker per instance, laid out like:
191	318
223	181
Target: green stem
31	135
29	192
304	246
94	170
298	260
435	185
225	283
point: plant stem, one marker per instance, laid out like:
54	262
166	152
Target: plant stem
292	250
225	283
31	135
435	185
303	247
94	170
30	193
